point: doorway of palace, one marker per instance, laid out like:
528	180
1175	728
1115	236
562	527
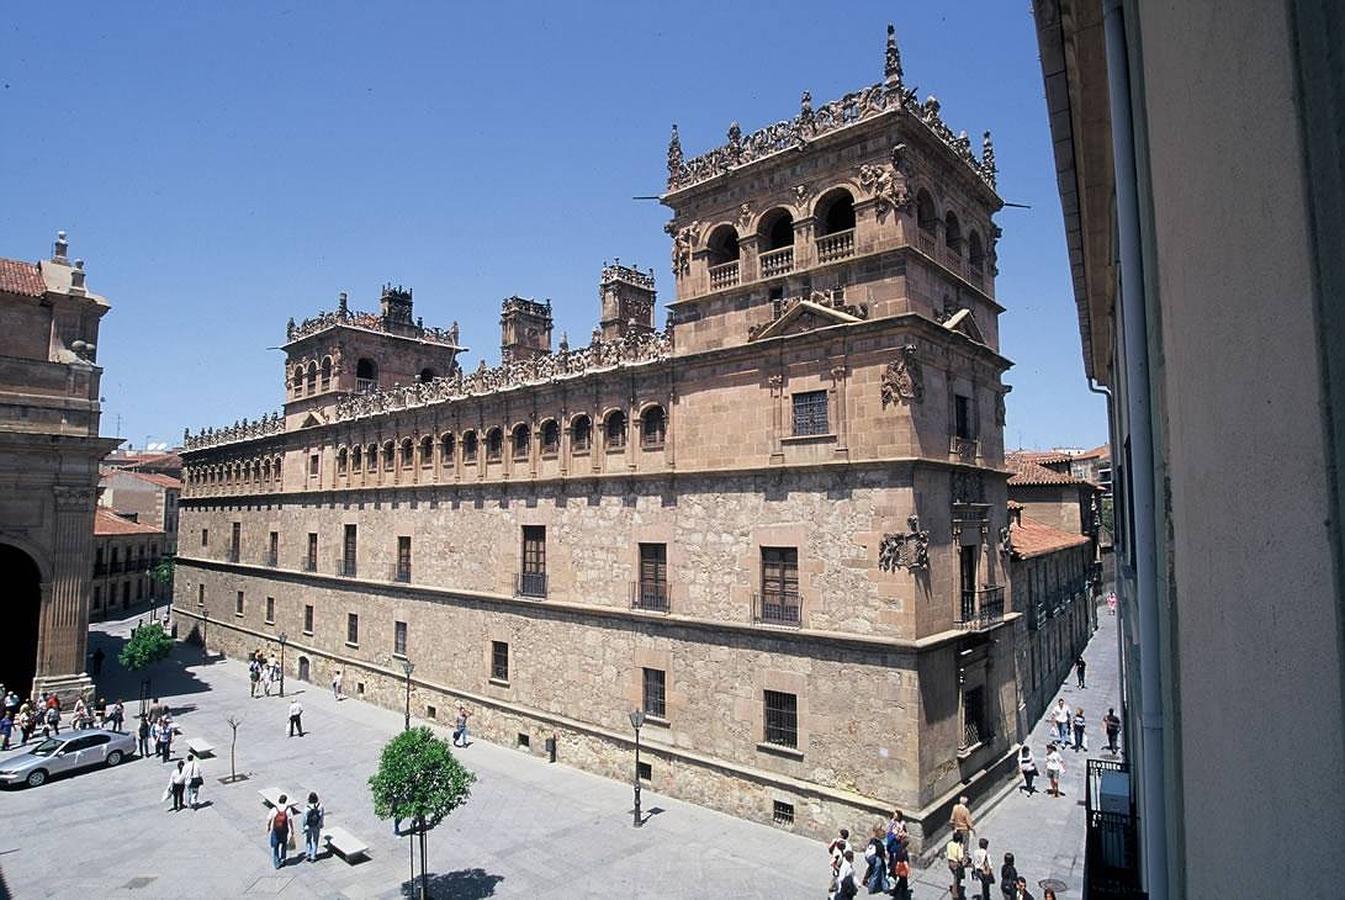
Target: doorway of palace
303	668
22	607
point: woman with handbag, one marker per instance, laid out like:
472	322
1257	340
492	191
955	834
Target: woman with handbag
901	871
982	868
195	778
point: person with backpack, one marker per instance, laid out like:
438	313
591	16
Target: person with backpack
314	816
982	868
901	871
278	829
1008	877
53	721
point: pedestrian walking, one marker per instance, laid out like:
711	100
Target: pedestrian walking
845	879
901	871
836	851
314	816
165	739
6	729
336	684
1080	665
1111	603
896	831
956	858
1008	877
195	778
875	855
1112	723
27	722
53	721
1048	893
961	822
142	734
254	676
177	783
460	727
1080	739
1027	764
1020	890
982	868
278	830
118	716
1060	716
266	680
296	710
1055	765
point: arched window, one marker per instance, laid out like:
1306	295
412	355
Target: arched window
342	461
581	434
776	230
975	250
406	453
925	216
389	461
355	458
371	458
653	427
469	446
426	376
522	437
722	245
446	447
494	444
952	232
835	211
366	375
614	428
550	436
298	381
326	373
426	452
312	386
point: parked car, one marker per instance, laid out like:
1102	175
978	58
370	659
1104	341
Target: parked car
66	753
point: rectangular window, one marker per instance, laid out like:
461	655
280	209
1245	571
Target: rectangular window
235	540
205	537
308	618
779	585
353	629
652	590
403	558
399	638
974	725
782	719
645	771
963	424
273	549
499	661
810	413
311	562
313	465
532	578
238	604
655	681
348	552
270	610
200	595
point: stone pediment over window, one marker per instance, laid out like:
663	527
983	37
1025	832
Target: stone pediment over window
798	315
310	421
963	322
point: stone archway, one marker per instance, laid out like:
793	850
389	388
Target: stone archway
22	610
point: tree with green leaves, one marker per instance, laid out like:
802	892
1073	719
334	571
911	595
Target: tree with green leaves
148	645
163	572
421	781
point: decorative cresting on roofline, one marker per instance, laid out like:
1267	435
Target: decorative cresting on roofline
615	271
240	430
371	321
889	95
636	348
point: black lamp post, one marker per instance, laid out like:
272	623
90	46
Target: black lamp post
408	667
282	637
637	720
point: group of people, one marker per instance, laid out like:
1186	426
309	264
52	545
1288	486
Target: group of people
45	713
186	779
158	728
285	819
887	859
262	673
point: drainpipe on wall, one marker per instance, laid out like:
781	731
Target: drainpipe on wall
1134	329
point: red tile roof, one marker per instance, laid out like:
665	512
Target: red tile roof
22	278
1100	452
1032	472
163	481
106	522
1031	537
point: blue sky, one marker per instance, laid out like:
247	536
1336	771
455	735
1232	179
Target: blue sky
223	166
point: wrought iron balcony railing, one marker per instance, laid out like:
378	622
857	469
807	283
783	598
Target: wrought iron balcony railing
530	584
650	595
981	608
776	608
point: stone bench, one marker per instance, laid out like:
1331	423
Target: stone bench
344	843
200	746
271	796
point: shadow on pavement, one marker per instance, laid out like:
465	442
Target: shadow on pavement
169	678
464	884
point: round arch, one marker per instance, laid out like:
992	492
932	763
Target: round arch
835	211
24	577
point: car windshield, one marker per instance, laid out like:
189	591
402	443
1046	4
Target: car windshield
47	747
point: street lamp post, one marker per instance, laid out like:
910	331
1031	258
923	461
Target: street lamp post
282	637
637	720
408	667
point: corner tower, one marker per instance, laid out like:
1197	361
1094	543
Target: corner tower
627	296
525	329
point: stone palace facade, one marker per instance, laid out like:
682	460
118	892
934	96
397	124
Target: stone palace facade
775	525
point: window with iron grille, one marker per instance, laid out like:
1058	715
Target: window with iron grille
653	427
499	661
273	549
311	563
550	436
404	558
532	580
313	465
653	586
494	443
779	584
399	638
965	427
352	628
615	429
974	726
782	813
349	548
238	604
270	610
810	413
308	618
522	438
581	434
782	719
655	683
469	447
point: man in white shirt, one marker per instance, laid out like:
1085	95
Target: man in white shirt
1060	715
296	711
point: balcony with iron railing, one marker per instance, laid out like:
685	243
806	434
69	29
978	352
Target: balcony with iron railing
965	449
981	608
233	554
724	275
311	564
649	595
530	584
345	567
777	608
400	572
272	559
777	262
840	245
1111	832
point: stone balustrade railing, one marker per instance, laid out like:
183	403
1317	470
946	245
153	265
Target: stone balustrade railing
724	275
243	430
840	245
372	322
777	262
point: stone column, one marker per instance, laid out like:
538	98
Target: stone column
64	629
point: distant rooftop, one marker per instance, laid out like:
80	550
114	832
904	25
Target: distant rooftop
1029	471
1031	537
394	318
106	523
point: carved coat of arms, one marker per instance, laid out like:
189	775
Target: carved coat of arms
903	380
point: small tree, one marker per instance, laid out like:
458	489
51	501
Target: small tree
148	645
163	572
419	780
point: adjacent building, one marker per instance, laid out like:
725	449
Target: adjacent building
49	452
774	525
124	553
1201	171
149	498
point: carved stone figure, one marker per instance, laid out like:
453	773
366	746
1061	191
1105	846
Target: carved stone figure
684	239
1005	540
801	193
887	183
674	158
744	215
903	379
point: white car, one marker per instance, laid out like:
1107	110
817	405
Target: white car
66	753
